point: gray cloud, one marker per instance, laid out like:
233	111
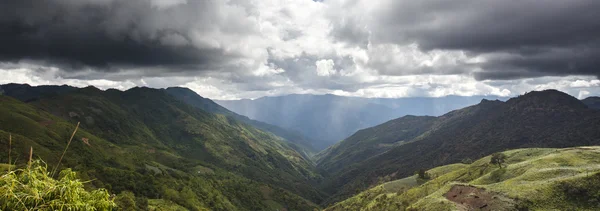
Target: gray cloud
110	35
542	37
252	48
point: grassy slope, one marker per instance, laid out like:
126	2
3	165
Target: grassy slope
537	119
536	178
372	141
121	161
298	142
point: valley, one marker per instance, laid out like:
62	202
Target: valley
171	149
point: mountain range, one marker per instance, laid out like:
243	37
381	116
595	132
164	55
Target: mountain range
328	119
173	149
402	146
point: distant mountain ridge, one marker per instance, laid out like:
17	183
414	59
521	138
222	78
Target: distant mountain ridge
330	118
592	102
537	119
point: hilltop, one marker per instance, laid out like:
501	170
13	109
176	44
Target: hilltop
537	119
531	179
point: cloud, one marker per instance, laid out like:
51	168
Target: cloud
111	35
325	67
513	39
252	48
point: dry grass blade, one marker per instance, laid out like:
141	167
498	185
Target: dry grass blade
67	147
9	147
30	155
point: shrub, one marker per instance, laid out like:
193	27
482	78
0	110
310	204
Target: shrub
466	161
422	174
32	188
126	201
498	159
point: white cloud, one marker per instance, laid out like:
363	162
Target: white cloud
325	67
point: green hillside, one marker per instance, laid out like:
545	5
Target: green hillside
537	119
145	141
171	149
299	142
531	179
373	141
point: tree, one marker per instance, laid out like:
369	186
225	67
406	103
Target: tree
498	159
422	174
126	201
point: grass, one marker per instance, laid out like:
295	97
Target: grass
534	178
164	205
33	188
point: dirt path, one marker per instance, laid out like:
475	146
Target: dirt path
472	198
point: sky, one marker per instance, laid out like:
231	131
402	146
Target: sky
233	49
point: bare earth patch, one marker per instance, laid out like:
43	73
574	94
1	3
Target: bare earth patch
473	198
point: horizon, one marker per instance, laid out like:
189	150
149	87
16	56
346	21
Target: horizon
308	94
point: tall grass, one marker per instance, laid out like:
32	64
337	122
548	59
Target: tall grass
34	188
65	151
9	148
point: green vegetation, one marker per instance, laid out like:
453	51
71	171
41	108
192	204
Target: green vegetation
32	188
372	141
534	179
144	145
498	158
299	142
537	119
158	149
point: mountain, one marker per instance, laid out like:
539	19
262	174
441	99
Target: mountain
592	102
330	118
300	143
26	93
531	179
537	119
146	141
372	141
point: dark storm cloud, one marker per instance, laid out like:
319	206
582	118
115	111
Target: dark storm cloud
542	37
557	61
107	35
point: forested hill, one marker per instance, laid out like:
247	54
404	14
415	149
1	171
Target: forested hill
400	147
300	142
146	141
